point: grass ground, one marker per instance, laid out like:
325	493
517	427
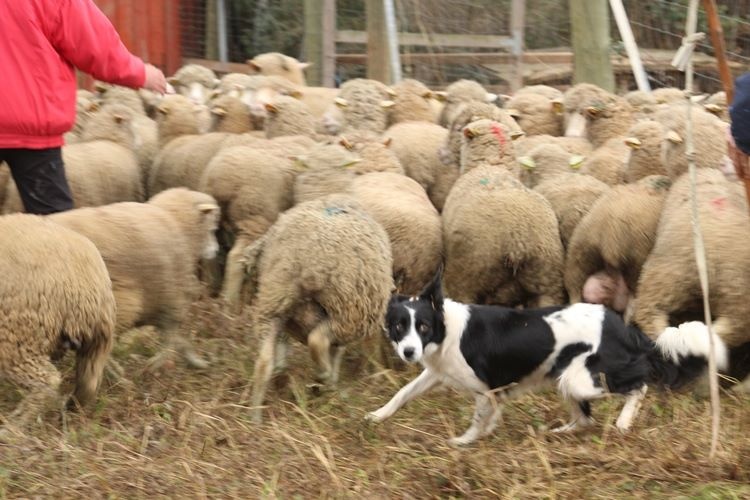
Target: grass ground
183	433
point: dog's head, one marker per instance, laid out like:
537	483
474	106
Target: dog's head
413	322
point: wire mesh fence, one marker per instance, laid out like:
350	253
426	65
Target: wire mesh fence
256	26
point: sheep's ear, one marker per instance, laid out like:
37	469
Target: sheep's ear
345	142
387	104
92	106
304	65
514	113
428	95
517	134
633	143
350	163
593	111
341	102
387	141
713	108
557	105
440	95
119	118
434	290
214	94
254	65
163	109
173	80
100	86
271	108
297	94
576	161
298	162
218	111
215	83
469	133
674	137
207	208
489	97
527	162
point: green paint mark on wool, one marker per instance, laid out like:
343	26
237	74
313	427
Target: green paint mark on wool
334	211
484	181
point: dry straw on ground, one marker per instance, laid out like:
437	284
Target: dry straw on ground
186	434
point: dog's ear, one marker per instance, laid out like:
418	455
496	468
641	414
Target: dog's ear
397	298
434	290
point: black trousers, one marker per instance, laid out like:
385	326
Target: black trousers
39	175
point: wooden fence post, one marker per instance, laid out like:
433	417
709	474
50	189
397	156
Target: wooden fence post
589	26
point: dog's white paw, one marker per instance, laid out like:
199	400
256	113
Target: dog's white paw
460	441
374	416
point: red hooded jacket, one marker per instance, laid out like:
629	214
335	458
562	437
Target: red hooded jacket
41	41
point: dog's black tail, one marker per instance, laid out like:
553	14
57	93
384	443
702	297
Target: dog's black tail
680	354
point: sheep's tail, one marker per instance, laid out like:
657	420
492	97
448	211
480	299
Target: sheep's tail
91	357
251	261
679	355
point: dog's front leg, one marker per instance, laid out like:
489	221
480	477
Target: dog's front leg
486	412
423	383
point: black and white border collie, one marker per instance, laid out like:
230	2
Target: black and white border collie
498	353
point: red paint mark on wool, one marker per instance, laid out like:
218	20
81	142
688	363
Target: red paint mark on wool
719	203
497	131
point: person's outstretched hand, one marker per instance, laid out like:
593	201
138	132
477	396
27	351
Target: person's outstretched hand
155	80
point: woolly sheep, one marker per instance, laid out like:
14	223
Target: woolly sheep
194	82
547	161
55	294
579	146
375	153
668	95
608	162
616	235
253	185
417	146
229	114
288	116
364	105
101	169
177	116
709	139
543	90
669	287
326	169
502	243
86	105
641	101
451	151
411	102
607	118
275	63
487	142
645	140
716	104
413	225
536	114
571	196
322	274
115	94
458	94
151	251
575	100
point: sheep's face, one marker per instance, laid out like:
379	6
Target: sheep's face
209	214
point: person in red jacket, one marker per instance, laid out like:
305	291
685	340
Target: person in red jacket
41	44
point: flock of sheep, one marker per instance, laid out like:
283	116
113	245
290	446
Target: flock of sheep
312	205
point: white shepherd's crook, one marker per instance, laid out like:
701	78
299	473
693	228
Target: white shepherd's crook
683	62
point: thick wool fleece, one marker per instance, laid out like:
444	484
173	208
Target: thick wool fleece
502	243
669	288
55	293
413	225
617	234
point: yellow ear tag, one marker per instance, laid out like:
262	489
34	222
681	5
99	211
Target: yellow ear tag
576	161
527	162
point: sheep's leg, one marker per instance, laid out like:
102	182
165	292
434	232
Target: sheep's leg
234	273
632	405
483	422
42	379
174	342
580	417
319	344
338	357
583	260
263	370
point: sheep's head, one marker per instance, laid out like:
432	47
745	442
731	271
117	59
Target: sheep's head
194	82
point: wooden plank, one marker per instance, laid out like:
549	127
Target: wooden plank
434	40
467	58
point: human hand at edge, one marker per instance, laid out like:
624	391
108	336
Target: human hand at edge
155	80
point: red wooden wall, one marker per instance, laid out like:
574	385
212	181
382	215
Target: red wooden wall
150	29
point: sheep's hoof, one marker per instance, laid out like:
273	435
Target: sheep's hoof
195	361
163	360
